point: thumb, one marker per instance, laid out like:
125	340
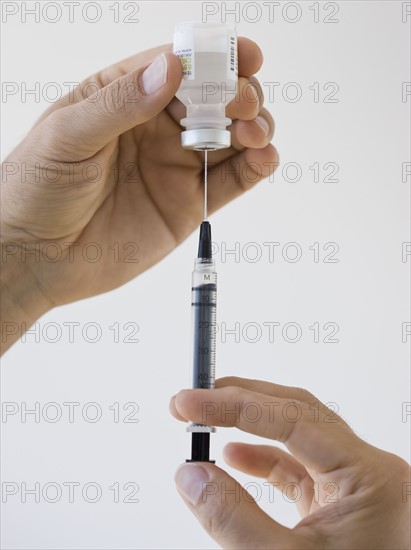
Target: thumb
227	511
80	130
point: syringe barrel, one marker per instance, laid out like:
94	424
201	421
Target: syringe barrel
204	327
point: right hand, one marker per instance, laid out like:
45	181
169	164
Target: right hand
350	494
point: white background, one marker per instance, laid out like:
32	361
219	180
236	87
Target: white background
366	213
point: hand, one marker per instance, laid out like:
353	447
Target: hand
106	166
350	494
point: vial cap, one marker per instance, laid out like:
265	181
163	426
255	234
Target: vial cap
202	139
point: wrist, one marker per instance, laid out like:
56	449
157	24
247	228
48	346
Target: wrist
23	299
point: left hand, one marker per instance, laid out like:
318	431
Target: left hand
101	189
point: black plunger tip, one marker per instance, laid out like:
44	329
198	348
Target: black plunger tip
204	244
200	447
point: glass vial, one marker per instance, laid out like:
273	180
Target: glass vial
208	54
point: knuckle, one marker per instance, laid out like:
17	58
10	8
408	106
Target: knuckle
397	466
226	381
267	115
237	393
256	84
301	394
113	99
89	87
117	97
246	104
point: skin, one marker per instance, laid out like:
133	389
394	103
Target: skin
149	192
349	494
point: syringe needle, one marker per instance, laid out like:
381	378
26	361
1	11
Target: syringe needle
205	185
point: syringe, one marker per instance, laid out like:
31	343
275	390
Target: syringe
203	305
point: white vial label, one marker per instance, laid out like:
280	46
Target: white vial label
232	65
184	49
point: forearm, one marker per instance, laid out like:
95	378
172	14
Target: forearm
23	300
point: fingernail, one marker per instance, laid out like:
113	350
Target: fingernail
190	479
155	76
262	123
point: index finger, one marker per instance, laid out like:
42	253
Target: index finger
319	444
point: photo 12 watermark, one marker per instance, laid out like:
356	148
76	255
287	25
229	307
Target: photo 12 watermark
71	12
53	492
253	252
53	412
254	491
251	412
70	332
271	12
290	332
70	251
